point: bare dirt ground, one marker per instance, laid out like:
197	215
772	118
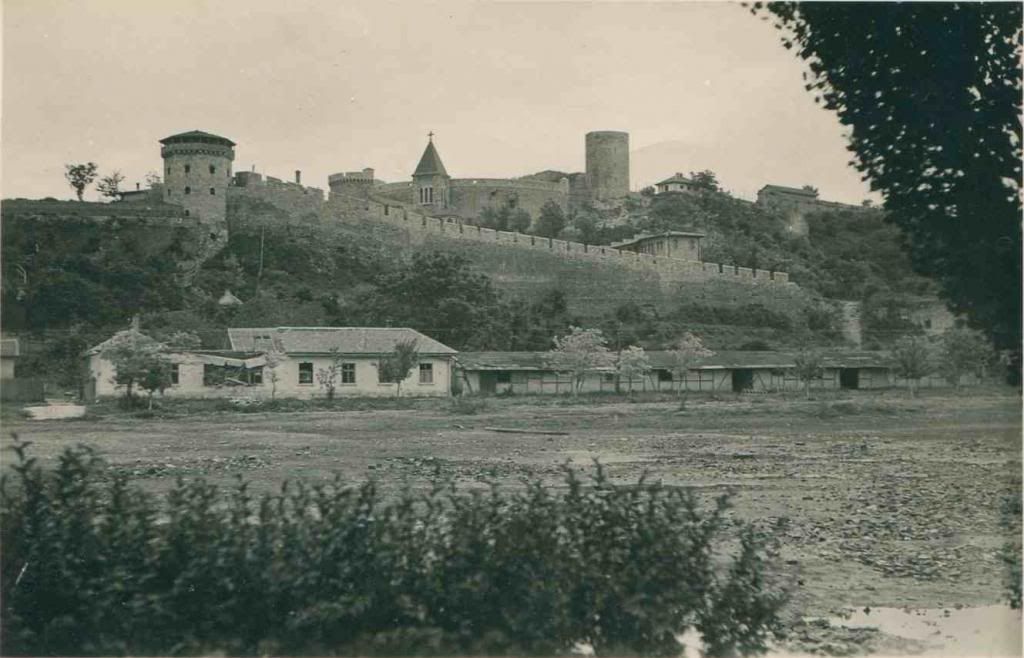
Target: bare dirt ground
889	501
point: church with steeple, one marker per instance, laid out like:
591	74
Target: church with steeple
436	193
430	180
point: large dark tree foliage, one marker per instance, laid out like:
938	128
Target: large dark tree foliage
932	95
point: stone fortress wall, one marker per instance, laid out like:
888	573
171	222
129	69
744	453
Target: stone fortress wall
291	196
469	195
420	226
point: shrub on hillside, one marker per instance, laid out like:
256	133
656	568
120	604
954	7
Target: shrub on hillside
93	566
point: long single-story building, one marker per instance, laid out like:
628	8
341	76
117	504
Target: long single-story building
286	362
491	373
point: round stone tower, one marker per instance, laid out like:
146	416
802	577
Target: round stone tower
197	171
607	164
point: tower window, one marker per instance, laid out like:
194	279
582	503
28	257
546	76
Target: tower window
168	171
187	213
188	190
188	168
213	169
213	191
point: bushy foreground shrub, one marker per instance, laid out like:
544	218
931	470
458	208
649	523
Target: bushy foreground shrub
92	565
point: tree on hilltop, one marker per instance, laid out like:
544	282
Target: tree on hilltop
110	186
705	180
931	94
80	176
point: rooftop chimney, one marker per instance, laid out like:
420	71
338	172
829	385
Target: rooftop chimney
254	169
136	187
298	177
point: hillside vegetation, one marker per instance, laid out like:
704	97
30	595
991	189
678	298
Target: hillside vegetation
92	278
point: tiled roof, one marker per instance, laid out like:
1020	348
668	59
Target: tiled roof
321	340
430	164
124	335
9	347
196	136
729	359
646	236
678	178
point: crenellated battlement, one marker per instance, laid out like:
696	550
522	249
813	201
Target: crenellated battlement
419	225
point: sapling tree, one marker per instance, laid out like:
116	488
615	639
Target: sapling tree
632	362
156	376
397	366
80	176
138	360
686	352
580	352
808	367
912	360
273	362
327	377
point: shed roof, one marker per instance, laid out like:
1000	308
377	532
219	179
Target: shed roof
430	163
663	359
321	340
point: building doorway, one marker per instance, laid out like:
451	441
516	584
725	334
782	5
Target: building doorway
487	382
849	378
742	380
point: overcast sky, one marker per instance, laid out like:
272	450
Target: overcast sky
508	88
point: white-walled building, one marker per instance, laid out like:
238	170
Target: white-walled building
285	362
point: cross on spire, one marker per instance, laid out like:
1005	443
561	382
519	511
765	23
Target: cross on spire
430	135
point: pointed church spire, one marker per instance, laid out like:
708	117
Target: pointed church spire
430	164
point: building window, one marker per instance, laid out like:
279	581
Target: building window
426	373
348	373
503	377
256	375
187	213
213	191
174	374
188	190
305	373
188	168
213	169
